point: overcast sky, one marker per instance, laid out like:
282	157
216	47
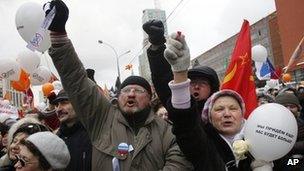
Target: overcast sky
205	23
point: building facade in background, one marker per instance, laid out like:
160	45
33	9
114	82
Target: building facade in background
280	32
291	26
149	14
219	56
16	98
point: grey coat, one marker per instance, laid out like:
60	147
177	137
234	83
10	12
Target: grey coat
155	147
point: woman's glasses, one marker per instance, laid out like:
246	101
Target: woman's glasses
23	162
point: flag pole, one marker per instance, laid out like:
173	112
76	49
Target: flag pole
295	55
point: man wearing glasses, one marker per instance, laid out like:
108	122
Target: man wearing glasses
127	137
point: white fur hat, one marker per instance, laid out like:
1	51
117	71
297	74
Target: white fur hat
52	148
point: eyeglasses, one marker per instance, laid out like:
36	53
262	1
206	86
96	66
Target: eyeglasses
198	82
137	90
23	162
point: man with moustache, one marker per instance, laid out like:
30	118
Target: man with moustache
127	137
73	134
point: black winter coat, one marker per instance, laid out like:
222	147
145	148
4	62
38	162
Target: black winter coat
201	143
79	145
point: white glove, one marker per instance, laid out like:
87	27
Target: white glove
177	53
261	165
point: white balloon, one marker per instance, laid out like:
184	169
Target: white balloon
10	69
57	85
259	53
28	60
41	75
29	18
271	130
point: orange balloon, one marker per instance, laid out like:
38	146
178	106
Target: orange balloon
286	77
47	88
23	83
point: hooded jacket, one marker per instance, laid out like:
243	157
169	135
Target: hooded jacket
153	148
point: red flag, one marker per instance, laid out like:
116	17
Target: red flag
277	73
238	75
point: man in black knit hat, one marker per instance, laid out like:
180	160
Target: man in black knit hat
125	137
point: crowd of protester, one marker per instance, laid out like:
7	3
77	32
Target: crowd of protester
187	123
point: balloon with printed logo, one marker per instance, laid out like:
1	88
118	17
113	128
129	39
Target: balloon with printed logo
28	60
271	131
29	18
9	69
259	53
286	77
41	75
47	88
23	83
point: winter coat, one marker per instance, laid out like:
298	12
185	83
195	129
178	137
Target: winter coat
153	148
201	143
161	75
79	145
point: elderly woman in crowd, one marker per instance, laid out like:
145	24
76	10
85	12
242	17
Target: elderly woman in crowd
42	151
19	131
207	144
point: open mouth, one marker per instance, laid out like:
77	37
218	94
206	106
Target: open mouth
195	95
130	103
227	123
14	152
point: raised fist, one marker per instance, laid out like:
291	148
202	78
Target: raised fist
177	53
155	30
61	15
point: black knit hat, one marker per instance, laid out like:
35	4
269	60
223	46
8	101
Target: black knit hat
137	80
206	73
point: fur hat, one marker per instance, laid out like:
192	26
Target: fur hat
52	148
137	80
